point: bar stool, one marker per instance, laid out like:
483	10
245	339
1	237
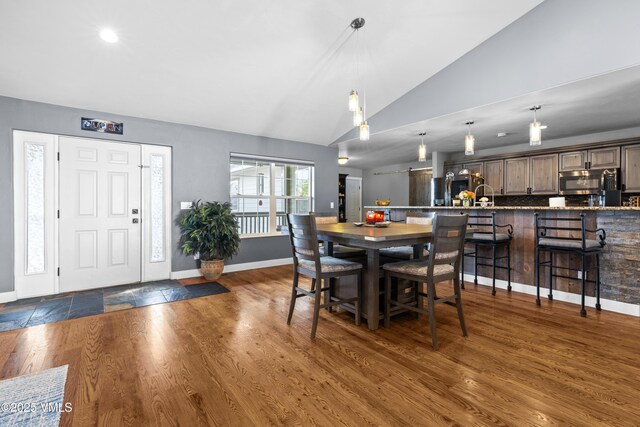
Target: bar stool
307	261
443	265
563	241
487	236
406	252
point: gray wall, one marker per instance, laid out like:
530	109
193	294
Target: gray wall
352	172
200	168
394	186
558	42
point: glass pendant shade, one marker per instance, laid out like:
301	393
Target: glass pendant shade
469	145
535	133
342	160
422	153
364	131
353	100
357	116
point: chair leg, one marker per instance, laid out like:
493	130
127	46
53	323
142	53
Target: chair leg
462	268
537	274
419	297
550	276
387	299
432	313
493	268
583	311
456	290
294	294
475	261
359	295
598	307
508	267
328	293
316	309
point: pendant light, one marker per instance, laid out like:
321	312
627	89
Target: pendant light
535	128
342	160
422	150
469	141
357	116
354	103
364	126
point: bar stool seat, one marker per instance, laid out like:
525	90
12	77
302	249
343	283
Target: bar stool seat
329	264
569	244
488	237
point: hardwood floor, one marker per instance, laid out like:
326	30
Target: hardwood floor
231	360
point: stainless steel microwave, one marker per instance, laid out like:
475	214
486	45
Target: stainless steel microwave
591	181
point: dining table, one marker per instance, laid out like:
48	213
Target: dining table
372	239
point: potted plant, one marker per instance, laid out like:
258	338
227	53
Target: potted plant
209	231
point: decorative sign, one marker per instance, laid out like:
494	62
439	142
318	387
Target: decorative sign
104	126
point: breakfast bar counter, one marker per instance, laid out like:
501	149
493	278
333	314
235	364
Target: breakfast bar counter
620	262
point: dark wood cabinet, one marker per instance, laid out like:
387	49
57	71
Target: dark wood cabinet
494	175
342	197
543	177
631	168
454	167
475	168
572	161
516	176
604	158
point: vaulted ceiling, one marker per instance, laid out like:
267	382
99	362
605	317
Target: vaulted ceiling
278	68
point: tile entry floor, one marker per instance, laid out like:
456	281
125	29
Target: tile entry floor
72	305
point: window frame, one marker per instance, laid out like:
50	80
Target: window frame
272	197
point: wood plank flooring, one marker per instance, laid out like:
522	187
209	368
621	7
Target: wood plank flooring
232	360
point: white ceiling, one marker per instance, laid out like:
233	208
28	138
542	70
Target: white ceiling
279	68
598	104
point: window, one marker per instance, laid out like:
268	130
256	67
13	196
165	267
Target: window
263	191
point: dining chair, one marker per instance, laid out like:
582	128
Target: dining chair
443	264
321	269
406	252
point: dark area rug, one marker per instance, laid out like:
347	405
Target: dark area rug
54	308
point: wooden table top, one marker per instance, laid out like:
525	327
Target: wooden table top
395	231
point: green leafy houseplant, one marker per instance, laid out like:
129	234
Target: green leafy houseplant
210	230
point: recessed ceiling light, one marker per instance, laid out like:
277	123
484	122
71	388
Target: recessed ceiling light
108	35
501	134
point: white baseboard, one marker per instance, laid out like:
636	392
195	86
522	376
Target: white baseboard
8	297
606	304
184	274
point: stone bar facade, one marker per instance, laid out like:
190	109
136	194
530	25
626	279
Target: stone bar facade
619	262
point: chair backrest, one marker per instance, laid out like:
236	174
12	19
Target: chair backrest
304	238
422	219
448	241
567	229
486	224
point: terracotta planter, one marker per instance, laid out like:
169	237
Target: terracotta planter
212	270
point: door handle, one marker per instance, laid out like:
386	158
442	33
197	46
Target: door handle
134	211
135	220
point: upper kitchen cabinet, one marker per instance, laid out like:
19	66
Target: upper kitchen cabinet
454	167
573	161
494	175
474	168
631	168
604	158
516	176
543	178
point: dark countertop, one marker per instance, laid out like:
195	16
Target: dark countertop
511	208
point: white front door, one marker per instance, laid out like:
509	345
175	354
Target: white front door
99	226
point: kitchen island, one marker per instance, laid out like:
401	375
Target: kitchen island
620	262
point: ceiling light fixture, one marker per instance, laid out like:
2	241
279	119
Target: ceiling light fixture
469	141
359	113
342	160
108	35
535	128
422	149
